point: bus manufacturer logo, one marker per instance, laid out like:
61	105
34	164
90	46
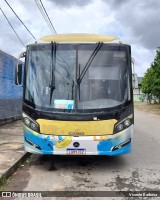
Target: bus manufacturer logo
76	133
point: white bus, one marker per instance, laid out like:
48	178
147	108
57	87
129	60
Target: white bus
78	97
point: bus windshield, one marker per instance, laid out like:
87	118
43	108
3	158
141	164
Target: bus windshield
52	77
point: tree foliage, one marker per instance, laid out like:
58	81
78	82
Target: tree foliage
151	80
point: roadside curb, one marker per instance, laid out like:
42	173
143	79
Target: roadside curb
9	120
15	166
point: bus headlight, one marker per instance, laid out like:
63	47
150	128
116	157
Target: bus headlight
31	124
26	121
123	125
119	127
127	122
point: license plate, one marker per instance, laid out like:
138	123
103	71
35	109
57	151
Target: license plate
76	151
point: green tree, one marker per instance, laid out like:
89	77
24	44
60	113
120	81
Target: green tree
151	80
156	79
147	83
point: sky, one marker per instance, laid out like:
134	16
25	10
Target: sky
135	22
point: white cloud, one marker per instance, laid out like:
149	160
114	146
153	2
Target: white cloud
136	22
143	59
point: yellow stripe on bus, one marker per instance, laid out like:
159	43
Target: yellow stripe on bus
78	37
79	128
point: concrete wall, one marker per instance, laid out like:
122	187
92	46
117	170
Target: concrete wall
10	94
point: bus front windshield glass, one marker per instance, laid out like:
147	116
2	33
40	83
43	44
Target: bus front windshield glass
53	72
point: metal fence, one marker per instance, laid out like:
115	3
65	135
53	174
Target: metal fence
140	97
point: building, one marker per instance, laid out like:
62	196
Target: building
10	94
137	91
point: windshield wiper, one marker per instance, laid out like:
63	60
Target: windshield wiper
99	45
53	66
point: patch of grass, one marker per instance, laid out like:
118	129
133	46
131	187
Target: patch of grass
3	183
152	108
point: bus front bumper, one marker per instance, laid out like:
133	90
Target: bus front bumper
111	145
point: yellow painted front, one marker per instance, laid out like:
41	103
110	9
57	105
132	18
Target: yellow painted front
78	37
55	127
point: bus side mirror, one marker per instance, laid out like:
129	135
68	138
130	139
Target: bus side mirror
133	74
18	70
133	81
18	77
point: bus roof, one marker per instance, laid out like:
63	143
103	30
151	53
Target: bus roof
78	37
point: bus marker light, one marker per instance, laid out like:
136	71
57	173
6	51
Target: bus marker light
32	144
121	145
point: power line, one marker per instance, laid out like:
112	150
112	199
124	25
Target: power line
45	15
12	27
20	19
48	17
